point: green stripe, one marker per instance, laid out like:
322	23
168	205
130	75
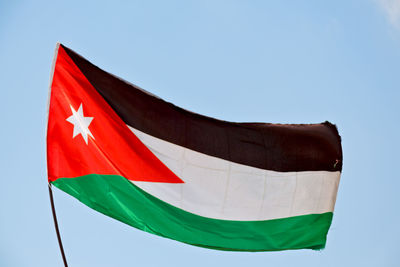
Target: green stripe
116	197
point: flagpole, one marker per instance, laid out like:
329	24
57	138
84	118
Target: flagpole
56	226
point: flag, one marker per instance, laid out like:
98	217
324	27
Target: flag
211	183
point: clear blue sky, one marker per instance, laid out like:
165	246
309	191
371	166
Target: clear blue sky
267	61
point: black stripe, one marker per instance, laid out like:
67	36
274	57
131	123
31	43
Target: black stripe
278	147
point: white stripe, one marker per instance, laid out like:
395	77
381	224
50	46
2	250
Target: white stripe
220	189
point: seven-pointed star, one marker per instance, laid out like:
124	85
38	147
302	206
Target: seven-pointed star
81	123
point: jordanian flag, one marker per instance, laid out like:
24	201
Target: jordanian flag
216	184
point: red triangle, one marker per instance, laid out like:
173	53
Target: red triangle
114	149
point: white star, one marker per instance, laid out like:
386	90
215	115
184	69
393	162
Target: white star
81	123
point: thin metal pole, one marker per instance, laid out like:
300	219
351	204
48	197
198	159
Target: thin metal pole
56	226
